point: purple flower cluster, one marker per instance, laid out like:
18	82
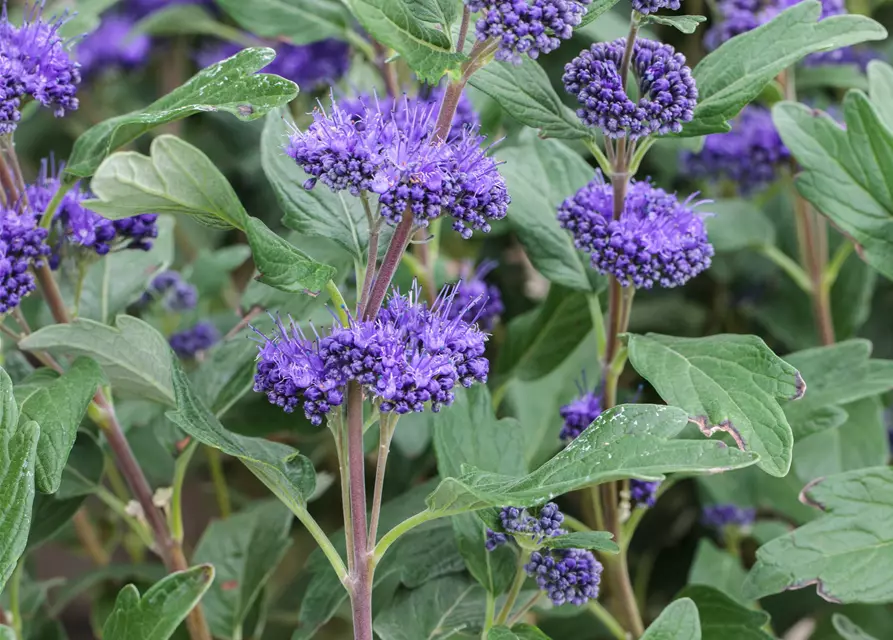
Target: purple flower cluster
653	6
142	8
566	575
409	357
174	293
200	337
724	515
310	66
667	91
523	27
113	45
750	154
579	414
35	62
657	240
643	493
395	155
519	522
481	300
22	244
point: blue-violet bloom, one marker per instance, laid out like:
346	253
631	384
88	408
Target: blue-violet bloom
22	245
643	493
174	293
481	299
579	414
200	337
566	575
653	6
113	45
724	515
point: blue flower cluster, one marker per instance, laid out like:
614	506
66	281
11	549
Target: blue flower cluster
411	356
22	245
657	240
394	154
568	576
174	293
481	300
724	515
522	27
667	91
200	337
519	522
653	6
35	62
643	493
579	414
749	155
113	45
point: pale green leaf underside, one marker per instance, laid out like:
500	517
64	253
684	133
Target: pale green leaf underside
678	621
848	629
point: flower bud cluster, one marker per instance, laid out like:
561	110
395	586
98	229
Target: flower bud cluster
481	299
174	293
22	245
201	336
725	515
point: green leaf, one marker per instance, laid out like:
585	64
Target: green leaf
230	85
135	357
685	24
679	621
426	50
737	225
880	88
847	552
6	633
86	18
58	408
824	76
596	9
282	265
848	629
846	171
729	383
297	21
285	472
741	67
717	568
539	175
439	12
160	611
538	341
518	632
593	540
724	619
440	609
175	178
18	454
226	374
244	549
526	93
626	441
189	19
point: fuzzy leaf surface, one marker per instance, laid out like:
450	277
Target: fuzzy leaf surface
438	610
724	619
296	21
678	621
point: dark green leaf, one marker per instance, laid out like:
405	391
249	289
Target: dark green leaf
594	540
160	611
297	21
526	93
737	71
737	225
440	609
439	12
189	19
541	339
685	24
117	573
729	383
133	355
281	265
847	552
679	621
626	441
58	408
717	568
724	619
244	550
426	50
226	374
846	171
518	632
596	9
848	629
880	88
539	175
230	85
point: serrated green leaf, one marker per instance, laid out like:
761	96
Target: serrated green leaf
58	408
526	93
880	89
230	85
724	619
282	265
728	383
297	21
160	611
438	610
679	621
717	568
538	341
685	24
593	540
539	175
626	441
847	552
439	12
285	472
737	225
518	632
848	629
846	172
226	373
735	73
135	357
426	50
244	550
18	453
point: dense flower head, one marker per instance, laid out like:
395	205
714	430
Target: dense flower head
643	493
667	91
566	575
142	8
22	244
579	414
174	293
35	62
517	521
201	336
113	45
657	240
309	65
724	515
481	299
523	27
749	155
652	6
